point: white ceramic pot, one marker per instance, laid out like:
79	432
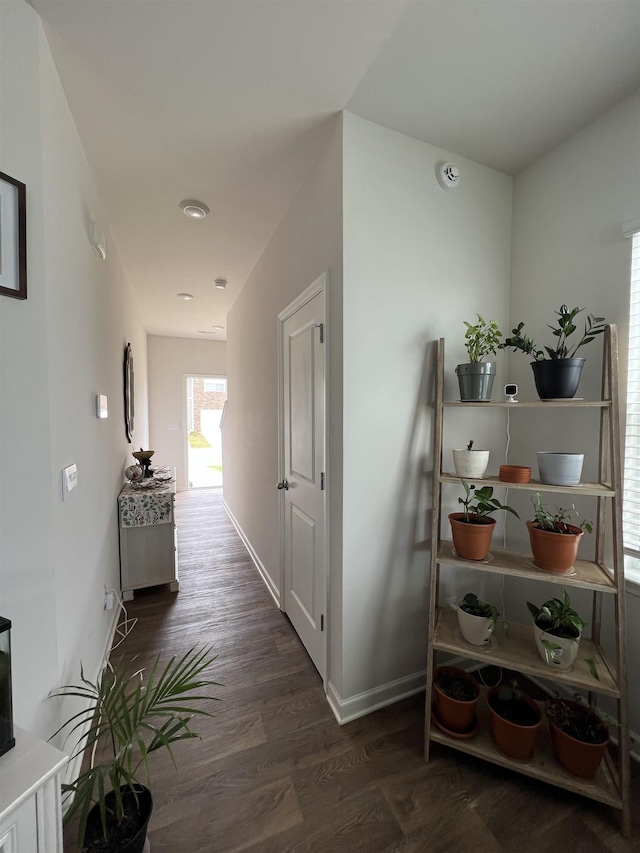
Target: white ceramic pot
475	629
560	469
564	655
470	463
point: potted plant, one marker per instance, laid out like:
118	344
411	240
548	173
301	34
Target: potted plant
557	629
126	719
456	694
557	370
475	377
472	528
579	734
554	540
515	720
470	463
477	619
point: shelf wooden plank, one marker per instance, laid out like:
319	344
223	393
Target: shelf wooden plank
542	766
598	489
518	651
537	404
588	575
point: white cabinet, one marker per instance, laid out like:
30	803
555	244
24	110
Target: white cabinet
517	652
30	801
148	538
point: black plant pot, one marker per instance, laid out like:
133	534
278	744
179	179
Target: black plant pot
127	836
557	377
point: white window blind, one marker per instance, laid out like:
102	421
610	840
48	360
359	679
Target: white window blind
631	503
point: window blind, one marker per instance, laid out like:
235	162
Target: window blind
631	501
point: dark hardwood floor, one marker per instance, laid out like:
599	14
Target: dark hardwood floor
274	773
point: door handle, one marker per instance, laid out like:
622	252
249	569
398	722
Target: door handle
283	484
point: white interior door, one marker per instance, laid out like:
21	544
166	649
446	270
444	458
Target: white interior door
303	475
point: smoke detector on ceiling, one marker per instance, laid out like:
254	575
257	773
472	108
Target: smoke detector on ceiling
97	240
220	283
448	175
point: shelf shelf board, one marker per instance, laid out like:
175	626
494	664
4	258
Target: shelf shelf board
518	651
536	404
588	575
598	489
542	766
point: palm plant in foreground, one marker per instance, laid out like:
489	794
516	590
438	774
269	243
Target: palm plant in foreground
128	718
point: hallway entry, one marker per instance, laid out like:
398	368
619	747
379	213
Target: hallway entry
205	399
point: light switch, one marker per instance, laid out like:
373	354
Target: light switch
174	425
69	479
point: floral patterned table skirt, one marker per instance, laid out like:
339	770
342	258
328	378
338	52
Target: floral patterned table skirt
139	509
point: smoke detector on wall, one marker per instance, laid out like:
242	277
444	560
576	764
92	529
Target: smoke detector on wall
448	175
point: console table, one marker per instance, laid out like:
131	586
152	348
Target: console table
30	796
148	538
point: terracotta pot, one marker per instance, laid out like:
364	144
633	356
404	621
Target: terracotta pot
457	715
554	552
576	756
513	740
515	474
471	540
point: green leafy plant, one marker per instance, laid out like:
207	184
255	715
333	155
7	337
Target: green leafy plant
482	338
130	718
558	521
582	721
558	618
473	605
563	329
479	503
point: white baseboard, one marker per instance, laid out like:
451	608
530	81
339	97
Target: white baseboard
346	710
72	769
273	589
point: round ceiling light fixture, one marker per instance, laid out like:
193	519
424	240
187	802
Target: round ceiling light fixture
186	297
194	209
220	283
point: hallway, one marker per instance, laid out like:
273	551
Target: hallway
274	772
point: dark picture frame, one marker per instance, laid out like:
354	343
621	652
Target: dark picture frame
129	405
13	237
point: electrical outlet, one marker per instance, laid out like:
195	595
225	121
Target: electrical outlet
108	601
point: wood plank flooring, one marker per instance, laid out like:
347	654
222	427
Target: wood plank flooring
274	773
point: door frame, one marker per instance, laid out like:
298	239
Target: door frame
185	406
320	285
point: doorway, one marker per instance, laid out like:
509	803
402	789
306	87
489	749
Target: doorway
205	399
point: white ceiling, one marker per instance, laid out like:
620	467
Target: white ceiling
227	101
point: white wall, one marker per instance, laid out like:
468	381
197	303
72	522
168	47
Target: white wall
58	349
417	262
170	361
568	213
307	242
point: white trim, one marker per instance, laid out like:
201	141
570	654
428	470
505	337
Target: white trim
320	285
346	710
273	589
72	769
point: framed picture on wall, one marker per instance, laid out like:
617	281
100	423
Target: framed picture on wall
13	237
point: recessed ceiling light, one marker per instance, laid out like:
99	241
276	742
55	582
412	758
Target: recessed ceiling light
186	297
194	209
220	283
218	328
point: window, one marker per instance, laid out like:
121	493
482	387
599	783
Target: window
211	385
631	502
